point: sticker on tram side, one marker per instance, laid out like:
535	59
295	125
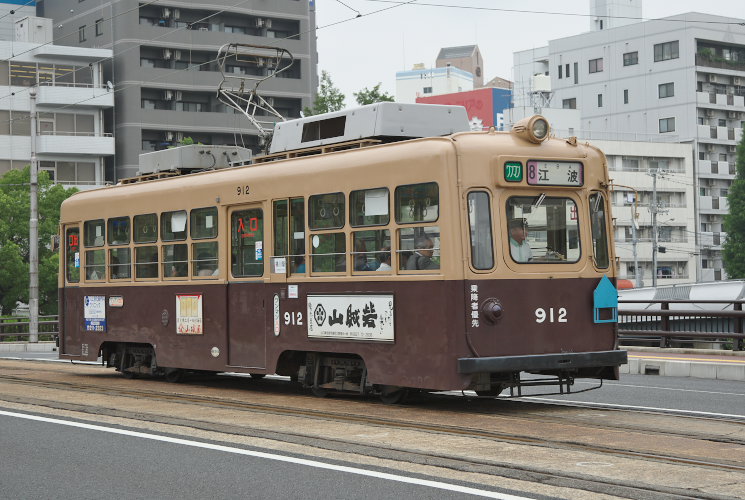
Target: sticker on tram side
94	312
189	314
351	317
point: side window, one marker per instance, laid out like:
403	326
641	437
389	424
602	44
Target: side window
205	259
599	231
72	254
372	250
95	260
247	243
173	226
118	231
289	232
175	260
328	253
543	229
419	248
146	262
417	203
146	228
326	211
203	223
369	207
479	220
120	263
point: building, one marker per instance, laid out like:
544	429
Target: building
12	11
676	79
72	143
424	82
485	106
467	58
165	70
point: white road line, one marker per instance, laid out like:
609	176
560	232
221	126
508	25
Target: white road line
272	456
614	384
631	407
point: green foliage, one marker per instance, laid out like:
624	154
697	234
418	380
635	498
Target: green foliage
328	98
15	210
371	96
733	251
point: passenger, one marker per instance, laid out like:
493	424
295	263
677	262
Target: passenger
422	257
385	259
360	257
519	247
300	264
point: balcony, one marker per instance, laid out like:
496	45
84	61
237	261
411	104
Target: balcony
718	62
75	144
75	95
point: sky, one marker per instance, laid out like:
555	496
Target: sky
359	52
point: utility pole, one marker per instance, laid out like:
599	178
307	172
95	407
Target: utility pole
33	231
634	241
655	233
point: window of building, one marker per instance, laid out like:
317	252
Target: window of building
625	96
543	231
631	58
567	70
560	72
666	90
600	100
427	90
722	156
569	103
722	122
665	51
99	27
576	73
369	207
81	33
247	243
417	203
667	125
479	219
596	65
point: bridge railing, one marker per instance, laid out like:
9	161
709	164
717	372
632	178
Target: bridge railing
669	323
16	328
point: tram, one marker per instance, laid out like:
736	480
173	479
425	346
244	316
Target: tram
372	251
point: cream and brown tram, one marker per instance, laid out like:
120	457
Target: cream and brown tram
375	251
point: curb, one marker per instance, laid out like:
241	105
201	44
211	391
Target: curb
694	369
28	347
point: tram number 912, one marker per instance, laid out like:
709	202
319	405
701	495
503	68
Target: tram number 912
553	316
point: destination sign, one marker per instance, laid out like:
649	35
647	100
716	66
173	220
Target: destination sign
555	173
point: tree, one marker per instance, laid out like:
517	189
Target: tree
328	97
733	251
371	96
15	210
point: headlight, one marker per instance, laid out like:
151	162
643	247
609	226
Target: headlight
540	129
534	129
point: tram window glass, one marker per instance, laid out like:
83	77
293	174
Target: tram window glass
280	228
120	263
599	232
203	223
72	254
95	265
247	243
417	203
118	231
369	207
419	248
204	257
543	229
329	253
297	235
146	228
173	226
479	218
93	233
371	250
146	262
175	260
326	211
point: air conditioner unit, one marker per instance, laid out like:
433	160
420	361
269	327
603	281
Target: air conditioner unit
260	61
709	147
176	13
168	95
259	22
167	54
177	54
731	149
738	80
179	136
709	182
169	136
268	24
167	12
732	114
178	95
712	78
709	113
204	28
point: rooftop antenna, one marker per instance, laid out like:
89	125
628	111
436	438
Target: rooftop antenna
240	91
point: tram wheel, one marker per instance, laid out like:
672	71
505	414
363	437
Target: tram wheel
319	392
394	397
491	393
257	376
174	375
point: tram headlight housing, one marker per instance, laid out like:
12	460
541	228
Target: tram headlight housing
534	129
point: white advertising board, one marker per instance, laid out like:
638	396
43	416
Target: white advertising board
351	317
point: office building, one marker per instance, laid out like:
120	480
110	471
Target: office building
165	70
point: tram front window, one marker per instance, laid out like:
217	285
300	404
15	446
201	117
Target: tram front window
543	229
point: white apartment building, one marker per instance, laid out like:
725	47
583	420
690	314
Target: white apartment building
676	79
425	82
71	98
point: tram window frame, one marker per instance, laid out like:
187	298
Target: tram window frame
358	199
166	225
113	231
398	207
140	228
599	229
335	218
205	263
410	259
95	260
142	264
235	263
179	269
91	240
552	256
120	270
195	218
481	259
289	233
318	260
381	239
70	245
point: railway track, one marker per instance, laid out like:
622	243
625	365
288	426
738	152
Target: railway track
474	423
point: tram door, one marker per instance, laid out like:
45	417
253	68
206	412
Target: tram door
246	302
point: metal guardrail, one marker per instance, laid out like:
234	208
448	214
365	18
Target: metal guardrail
17	328
663	326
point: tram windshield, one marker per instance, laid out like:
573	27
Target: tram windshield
543	229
